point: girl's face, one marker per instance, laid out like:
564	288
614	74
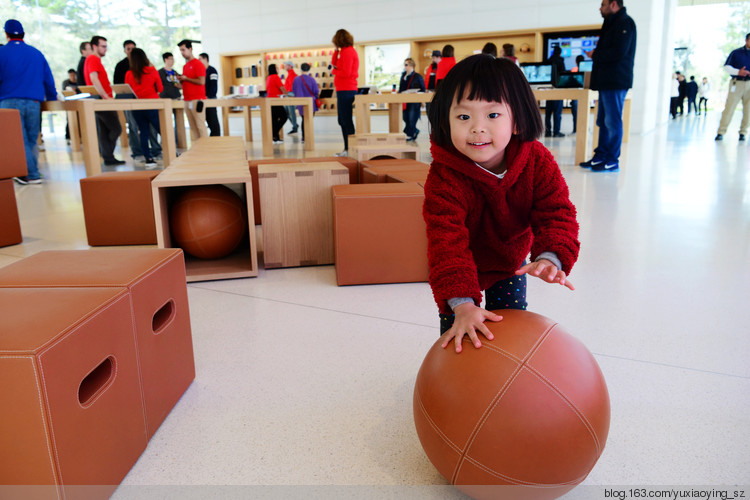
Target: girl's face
481	130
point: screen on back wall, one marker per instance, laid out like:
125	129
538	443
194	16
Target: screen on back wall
572	45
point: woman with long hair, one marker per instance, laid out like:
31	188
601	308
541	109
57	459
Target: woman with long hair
275	88
345	69
146	84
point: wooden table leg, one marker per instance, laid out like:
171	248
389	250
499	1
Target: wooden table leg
90	138
309	129
582	129
124	143
167	134
626	120
247	114
75	133
179	124
394	117
267	128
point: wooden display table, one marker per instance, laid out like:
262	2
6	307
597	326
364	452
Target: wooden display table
69	107
246	103
296	212
211	160
394	101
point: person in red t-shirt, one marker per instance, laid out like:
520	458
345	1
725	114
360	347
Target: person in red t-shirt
107	122
291	111
345	69
274	88
146	84
446	63
193	79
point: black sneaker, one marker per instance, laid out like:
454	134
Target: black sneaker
558	134
606	166
113	162
742	137
24	180
719	137
591	163
293	131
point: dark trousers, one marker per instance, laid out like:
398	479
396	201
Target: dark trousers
109	129
146	118
344	102
411	117
212	118
553	116
673	103
505	294
691	104
703	102
278	119
680	105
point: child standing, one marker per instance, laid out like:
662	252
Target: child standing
494	194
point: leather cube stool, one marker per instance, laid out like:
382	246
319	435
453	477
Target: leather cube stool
378	170
72	407
418	176
10	225
379	233
155	279
350	163
13	160
118	208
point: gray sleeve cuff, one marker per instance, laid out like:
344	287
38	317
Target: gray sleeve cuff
550	256
457	301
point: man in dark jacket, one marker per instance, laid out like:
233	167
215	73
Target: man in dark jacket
691	89
612	76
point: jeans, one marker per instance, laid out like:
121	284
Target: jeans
344	102
609	121
134	134
291	113
146	118
30	123
553	109
411	117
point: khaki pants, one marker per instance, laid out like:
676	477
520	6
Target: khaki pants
196	120
739	90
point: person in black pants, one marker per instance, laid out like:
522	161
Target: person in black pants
345	69
274	88
212	87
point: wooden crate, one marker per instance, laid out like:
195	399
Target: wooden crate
370	151
200	166
296	212
356	140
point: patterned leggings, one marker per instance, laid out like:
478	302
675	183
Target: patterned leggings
505	294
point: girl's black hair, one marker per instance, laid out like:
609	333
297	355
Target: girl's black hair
489	79
272	69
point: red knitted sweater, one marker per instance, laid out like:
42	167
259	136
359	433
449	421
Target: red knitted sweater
480	229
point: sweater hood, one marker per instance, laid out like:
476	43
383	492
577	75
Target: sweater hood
517	155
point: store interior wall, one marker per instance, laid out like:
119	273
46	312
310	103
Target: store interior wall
255	25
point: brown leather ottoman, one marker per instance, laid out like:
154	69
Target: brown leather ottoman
350	163
155	279
378	170
118	208
379	233
72	408
10	226
418	176
13	161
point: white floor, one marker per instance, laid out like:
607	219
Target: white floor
304	389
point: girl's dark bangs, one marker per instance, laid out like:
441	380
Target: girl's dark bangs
485	83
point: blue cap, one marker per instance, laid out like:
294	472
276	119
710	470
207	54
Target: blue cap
13	27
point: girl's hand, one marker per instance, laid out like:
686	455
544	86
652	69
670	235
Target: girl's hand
546	271
469	320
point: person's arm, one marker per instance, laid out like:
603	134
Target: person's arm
201	80
731	70
98	85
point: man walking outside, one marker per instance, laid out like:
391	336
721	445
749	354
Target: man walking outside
737	66
612	76
25	81
193	79
212	89
107	122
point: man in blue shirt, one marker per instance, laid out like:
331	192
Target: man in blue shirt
737	66
25	81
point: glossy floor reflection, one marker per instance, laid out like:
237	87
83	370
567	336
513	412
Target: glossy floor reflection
301	382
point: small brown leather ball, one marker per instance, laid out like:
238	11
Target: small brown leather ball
208	222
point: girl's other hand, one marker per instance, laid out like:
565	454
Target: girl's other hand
546	271
469	320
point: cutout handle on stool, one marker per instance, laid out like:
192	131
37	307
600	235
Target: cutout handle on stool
163	317
96	382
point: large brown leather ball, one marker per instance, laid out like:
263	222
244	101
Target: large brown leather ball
208	222
527	413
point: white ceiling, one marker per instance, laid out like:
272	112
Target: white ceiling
688	3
